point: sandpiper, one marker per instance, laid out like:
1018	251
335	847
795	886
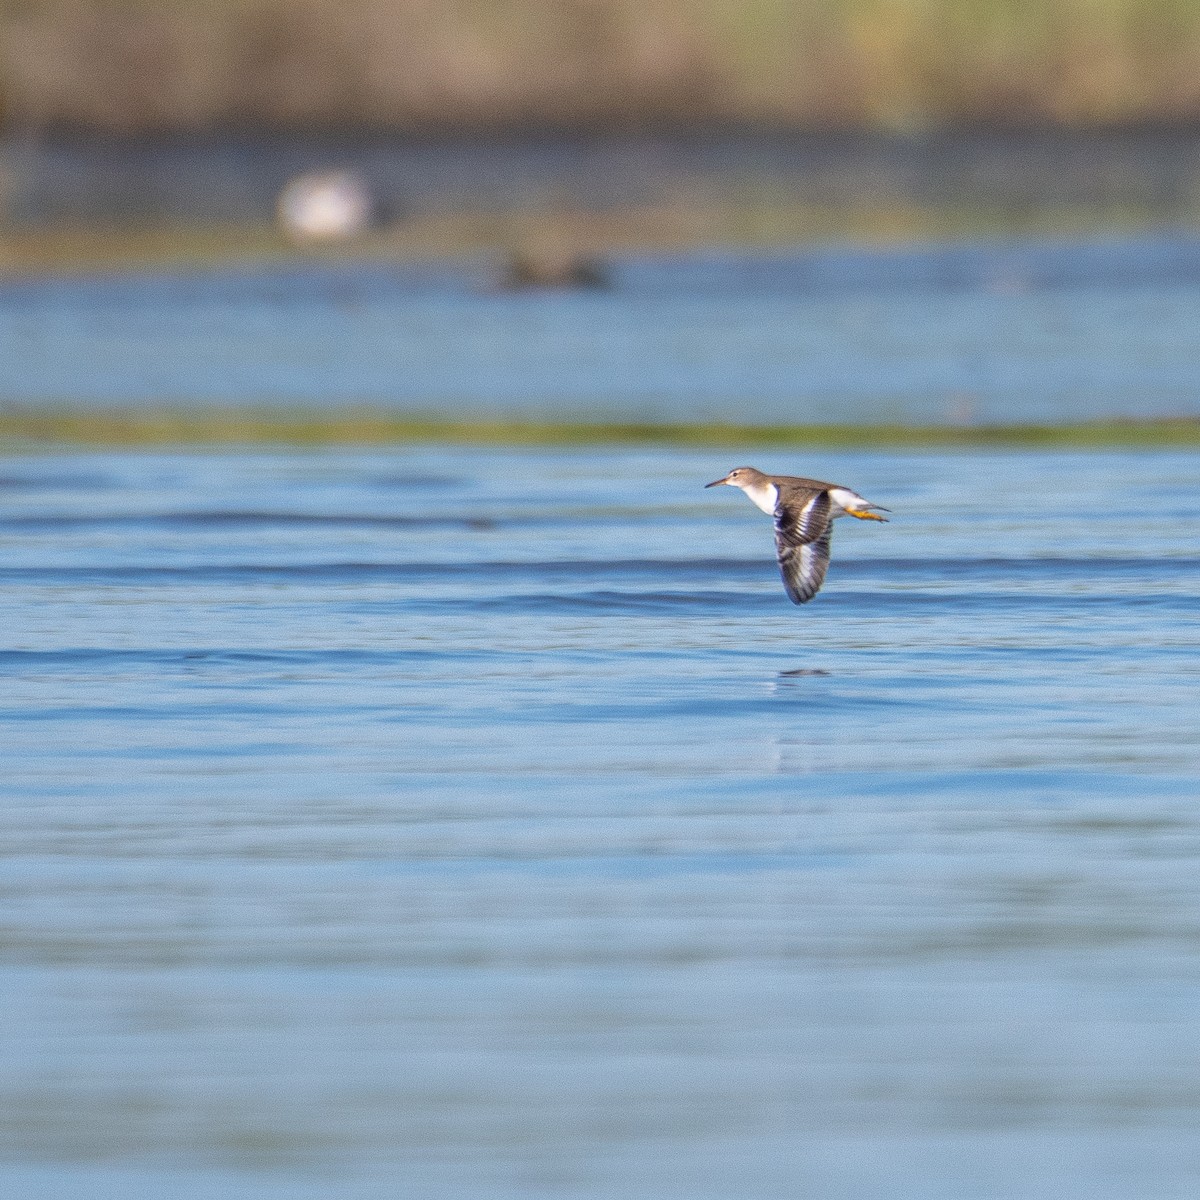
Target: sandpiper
804	512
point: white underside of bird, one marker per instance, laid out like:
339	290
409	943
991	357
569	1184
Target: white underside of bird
766	497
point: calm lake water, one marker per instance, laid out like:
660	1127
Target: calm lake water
986	331
483	823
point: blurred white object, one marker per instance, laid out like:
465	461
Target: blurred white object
325	206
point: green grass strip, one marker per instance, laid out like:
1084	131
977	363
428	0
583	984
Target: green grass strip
132	429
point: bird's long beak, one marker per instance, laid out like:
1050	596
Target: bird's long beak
717	482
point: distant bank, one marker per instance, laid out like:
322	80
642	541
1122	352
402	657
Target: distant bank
601	190
131	67
21	430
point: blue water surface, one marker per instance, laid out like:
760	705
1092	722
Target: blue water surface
1004	331
486	823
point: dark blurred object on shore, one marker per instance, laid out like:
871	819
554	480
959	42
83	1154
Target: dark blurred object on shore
550	266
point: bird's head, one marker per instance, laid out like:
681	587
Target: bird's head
740	477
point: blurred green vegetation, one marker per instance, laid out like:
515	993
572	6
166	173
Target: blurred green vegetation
132	429
138	66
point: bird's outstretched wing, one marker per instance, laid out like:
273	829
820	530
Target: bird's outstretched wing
802	544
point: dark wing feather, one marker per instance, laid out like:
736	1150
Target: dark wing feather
802	544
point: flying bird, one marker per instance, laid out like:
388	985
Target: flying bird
804	512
